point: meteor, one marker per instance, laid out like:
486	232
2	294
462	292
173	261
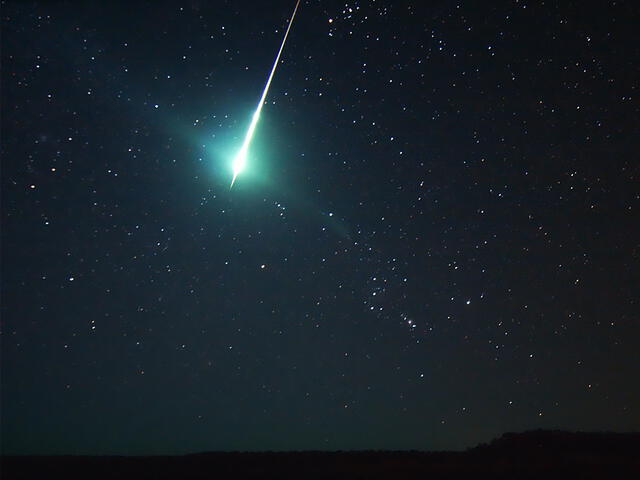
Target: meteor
240	162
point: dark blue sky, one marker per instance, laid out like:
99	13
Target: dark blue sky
435	241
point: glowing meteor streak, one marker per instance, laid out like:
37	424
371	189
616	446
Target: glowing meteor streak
240	162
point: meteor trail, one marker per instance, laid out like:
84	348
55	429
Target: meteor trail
240	161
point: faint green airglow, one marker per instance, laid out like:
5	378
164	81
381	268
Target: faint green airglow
240	160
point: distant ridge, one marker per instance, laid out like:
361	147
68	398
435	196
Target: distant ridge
547	454
564	441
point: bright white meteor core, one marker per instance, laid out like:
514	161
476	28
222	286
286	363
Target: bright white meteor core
240	162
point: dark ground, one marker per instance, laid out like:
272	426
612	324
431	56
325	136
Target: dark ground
538	454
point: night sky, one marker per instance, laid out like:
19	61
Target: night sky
436	239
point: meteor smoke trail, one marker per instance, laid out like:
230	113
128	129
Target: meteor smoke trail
241	158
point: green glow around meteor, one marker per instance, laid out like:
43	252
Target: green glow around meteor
240	161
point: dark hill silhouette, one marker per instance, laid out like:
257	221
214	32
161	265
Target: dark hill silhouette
562	454
528	455
561	441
